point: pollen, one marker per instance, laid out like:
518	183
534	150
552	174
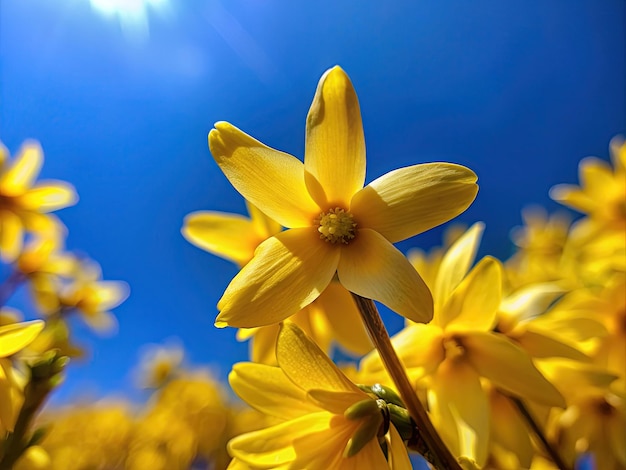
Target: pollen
336	225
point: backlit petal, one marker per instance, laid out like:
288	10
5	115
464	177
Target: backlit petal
271	180
23	171
474	303
48	196
16	336
11	235
372	267
411	200
509	367
456	263
267	389
335	146
344	318
398	455
307	365
288	271
263	225
231	236
458	388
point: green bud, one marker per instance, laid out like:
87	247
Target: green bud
365	433
361	409
387	394
402	421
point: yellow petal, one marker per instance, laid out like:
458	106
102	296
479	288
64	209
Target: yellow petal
231	236
263	343
338	402
264	226
508	428
411	200
398	455
267	389
271	180
372	267
11	235
23	171
344	318
104	323
541	344
288	271
456	263
306	365
458	388
48	196
104	295
335	146
16	336
509	367
272	447
474	303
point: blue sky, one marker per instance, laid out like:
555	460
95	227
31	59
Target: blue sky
519	91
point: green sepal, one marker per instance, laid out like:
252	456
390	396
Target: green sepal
365	433
402	421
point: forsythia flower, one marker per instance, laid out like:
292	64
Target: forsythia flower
13	338
23	204
327	421
458	350
333	315
335	226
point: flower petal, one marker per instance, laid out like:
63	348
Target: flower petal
341	311
271	180
474	303
456	263
23	171
11	235
372	267
306	365
273	447
269	390
398	455
288	272
264	226
411	200
335	147
16	336
457	387
231	236
48	196
509	367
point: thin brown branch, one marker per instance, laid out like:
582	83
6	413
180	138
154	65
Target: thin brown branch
437	453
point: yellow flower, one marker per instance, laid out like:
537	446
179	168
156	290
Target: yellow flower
327	421
13	338
333	315
23	204
458	350
335	225
602	191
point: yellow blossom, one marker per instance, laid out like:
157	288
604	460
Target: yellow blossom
602	191
13	338
23	205
334	224
326	420
332	316
458	350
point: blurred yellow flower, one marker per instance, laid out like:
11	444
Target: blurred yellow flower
458	350
602	191
327	422
335	225
23	205
13	338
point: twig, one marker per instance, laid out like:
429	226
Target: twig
437	452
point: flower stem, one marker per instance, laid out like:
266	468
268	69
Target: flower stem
532	424
436	451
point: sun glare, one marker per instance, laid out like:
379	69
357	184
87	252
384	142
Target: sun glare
131	14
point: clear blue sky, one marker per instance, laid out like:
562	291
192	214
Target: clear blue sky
519	91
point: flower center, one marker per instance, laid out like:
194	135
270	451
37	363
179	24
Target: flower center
453	348
336	225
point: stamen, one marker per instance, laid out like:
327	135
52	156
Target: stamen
336	225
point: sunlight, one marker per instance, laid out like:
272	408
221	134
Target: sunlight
131	14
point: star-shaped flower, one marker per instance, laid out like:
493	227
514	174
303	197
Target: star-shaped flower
335	226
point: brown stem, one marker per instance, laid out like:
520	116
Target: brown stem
532	424
437	453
